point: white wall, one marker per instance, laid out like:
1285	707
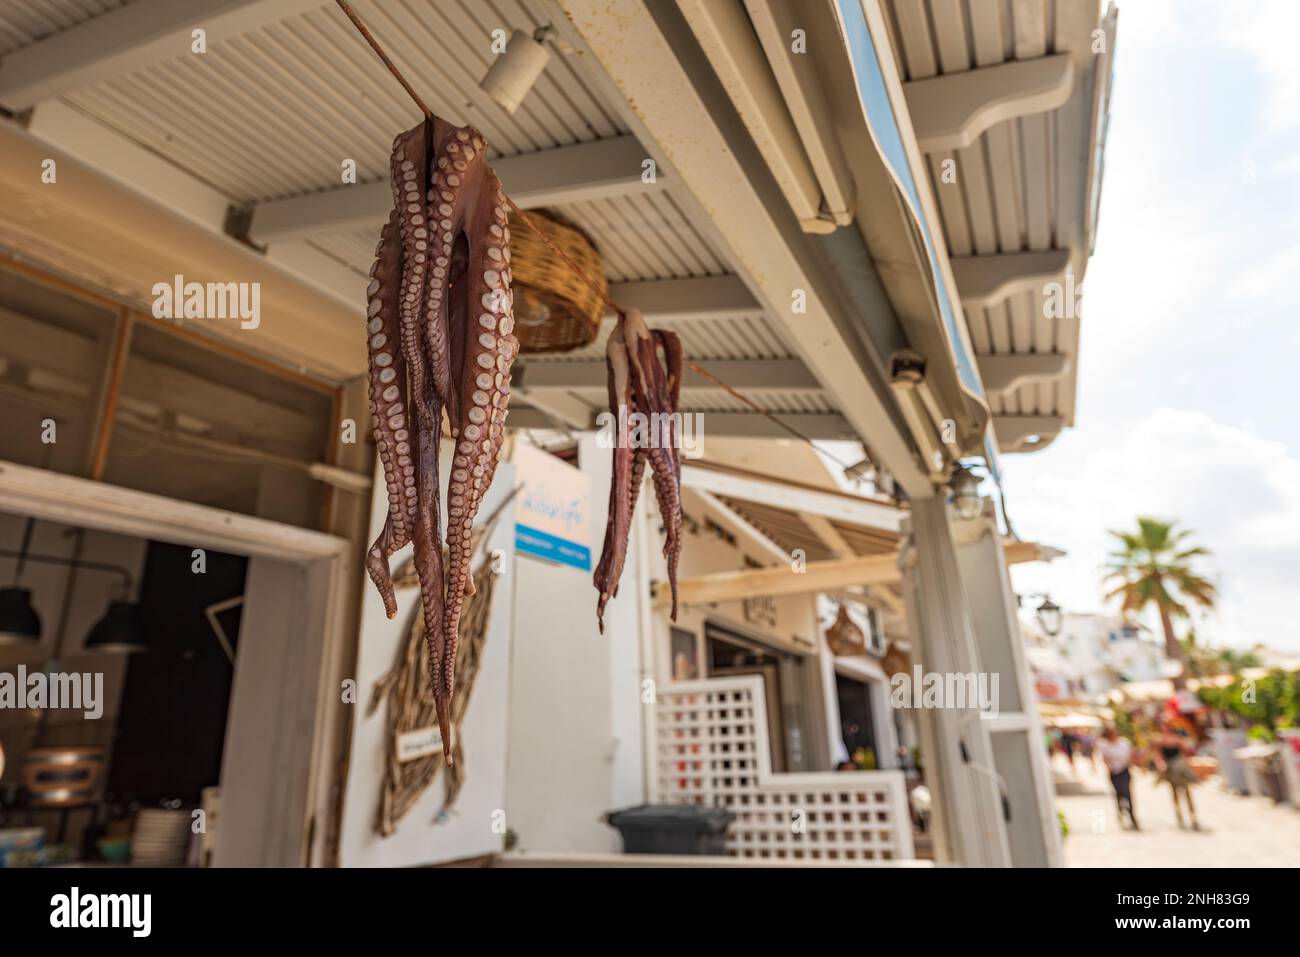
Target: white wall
576	718
467	831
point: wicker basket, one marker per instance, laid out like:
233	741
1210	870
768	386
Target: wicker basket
555	310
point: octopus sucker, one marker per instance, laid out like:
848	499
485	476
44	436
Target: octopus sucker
638	381
438	270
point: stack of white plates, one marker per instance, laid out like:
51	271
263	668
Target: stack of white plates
161	838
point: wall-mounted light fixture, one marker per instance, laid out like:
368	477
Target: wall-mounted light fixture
966	499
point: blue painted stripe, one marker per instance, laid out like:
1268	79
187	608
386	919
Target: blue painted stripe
532	542
874	96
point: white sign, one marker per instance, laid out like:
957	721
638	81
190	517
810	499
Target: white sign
419	743
553	517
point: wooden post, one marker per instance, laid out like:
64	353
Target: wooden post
110	388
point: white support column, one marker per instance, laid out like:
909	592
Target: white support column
955	742
1017	734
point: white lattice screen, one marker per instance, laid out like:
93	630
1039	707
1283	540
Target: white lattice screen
711	747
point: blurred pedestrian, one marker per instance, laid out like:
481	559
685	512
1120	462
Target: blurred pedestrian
1117	754
1171	762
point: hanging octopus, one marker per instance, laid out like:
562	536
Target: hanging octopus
645	400
439	331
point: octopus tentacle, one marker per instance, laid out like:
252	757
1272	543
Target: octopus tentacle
482	361
388	404
625	464
440	319
638	383
410	196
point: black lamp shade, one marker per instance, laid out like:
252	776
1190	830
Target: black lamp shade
19	621
121	630
1050	617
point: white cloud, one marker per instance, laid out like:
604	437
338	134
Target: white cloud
1267	31
1239	494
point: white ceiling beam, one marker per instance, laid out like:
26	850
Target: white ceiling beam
651	75
558	408
1004	374
599	169
127	162
319	269
748	375
726	35
775	22
950	112
682	300
828	426
983	281
129	38
746	425
1026	433
827	576
755	488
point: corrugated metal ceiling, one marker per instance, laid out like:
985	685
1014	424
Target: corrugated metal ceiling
26	21
1005	198
272	114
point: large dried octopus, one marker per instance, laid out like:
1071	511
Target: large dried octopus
645	400
439	331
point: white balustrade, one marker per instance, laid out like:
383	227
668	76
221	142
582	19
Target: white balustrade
711	747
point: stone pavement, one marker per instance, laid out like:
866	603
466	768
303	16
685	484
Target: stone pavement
1236	831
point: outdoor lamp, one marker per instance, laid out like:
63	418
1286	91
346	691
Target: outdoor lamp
19	621
121	630
1049	617
966	499
514	71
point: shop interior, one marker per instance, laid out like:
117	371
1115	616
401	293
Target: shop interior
150	630
125	651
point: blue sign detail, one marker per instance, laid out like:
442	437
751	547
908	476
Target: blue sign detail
532	542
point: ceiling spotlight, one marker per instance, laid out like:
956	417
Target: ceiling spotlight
514	71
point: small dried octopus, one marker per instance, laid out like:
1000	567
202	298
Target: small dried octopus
645	400
439	321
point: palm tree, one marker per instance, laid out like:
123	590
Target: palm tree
1154	566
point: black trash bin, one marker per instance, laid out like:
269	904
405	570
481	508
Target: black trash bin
672	828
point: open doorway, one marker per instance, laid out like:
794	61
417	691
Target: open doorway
242	621
117	658
857	723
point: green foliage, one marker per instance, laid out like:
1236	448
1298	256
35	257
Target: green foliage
865	759
1205	661
1155	566
1270	702
1124	724
1064	824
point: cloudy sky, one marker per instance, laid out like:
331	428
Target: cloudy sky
1189	375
